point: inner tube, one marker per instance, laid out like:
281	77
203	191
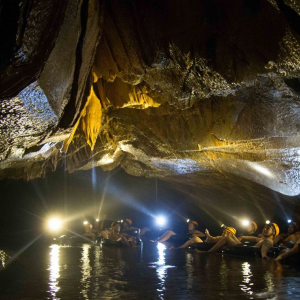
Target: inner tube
249	251
201	246
111	243
132	232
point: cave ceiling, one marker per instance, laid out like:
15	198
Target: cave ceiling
202	94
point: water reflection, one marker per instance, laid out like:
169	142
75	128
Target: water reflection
247	274
54	270
86	270
97	269
190	270
161	268
269	282
224	275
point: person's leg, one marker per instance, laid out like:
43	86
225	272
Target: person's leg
166	236
191	241
144	230
221	243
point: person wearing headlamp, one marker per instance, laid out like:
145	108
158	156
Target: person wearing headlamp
183	240
249	228
265	242
295	250
129	229
227	238
291	237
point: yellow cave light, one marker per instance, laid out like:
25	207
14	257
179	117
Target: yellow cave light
54	224
89	121
85	222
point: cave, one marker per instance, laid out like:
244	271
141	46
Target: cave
197	103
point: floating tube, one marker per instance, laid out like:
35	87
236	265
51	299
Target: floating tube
249	251
110	243
201	246
132	232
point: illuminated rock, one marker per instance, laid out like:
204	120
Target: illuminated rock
204	95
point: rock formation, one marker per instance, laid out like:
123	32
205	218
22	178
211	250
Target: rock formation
203	94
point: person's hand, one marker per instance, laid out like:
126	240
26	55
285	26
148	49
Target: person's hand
207	233
240	238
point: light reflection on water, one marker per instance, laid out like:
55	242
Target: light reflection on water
86	270
246	286
161	268
93	272
54	270
190	270
224	275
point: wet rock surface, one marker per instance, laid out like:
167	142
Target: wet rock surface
204	95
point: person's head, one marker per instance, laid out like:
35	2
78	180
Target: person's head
252	227
116	226
127	223
292	228
228	231
270	229
193	225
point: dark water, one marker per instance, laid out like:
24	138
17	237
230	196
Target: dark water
149	272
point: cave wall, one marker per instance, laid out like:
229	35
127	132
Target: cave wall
197	94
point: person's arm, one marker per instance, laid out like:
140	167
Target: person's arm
253	239
235	239
279	239
287	254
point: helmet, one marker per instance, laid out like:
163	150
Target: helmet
230	230
194	222
254	225
275	228
295	225
114	223
128	221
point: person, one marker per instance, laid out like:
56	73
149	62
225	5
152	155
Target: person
290	238
127	227
250	228
265	242
113	234
183	240
227	238
295	250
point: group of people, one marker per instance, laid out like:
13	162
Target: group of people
290	240
269	237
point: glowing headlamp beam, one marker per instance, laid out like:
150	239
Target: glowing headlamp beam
246	222
161	220
54	224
